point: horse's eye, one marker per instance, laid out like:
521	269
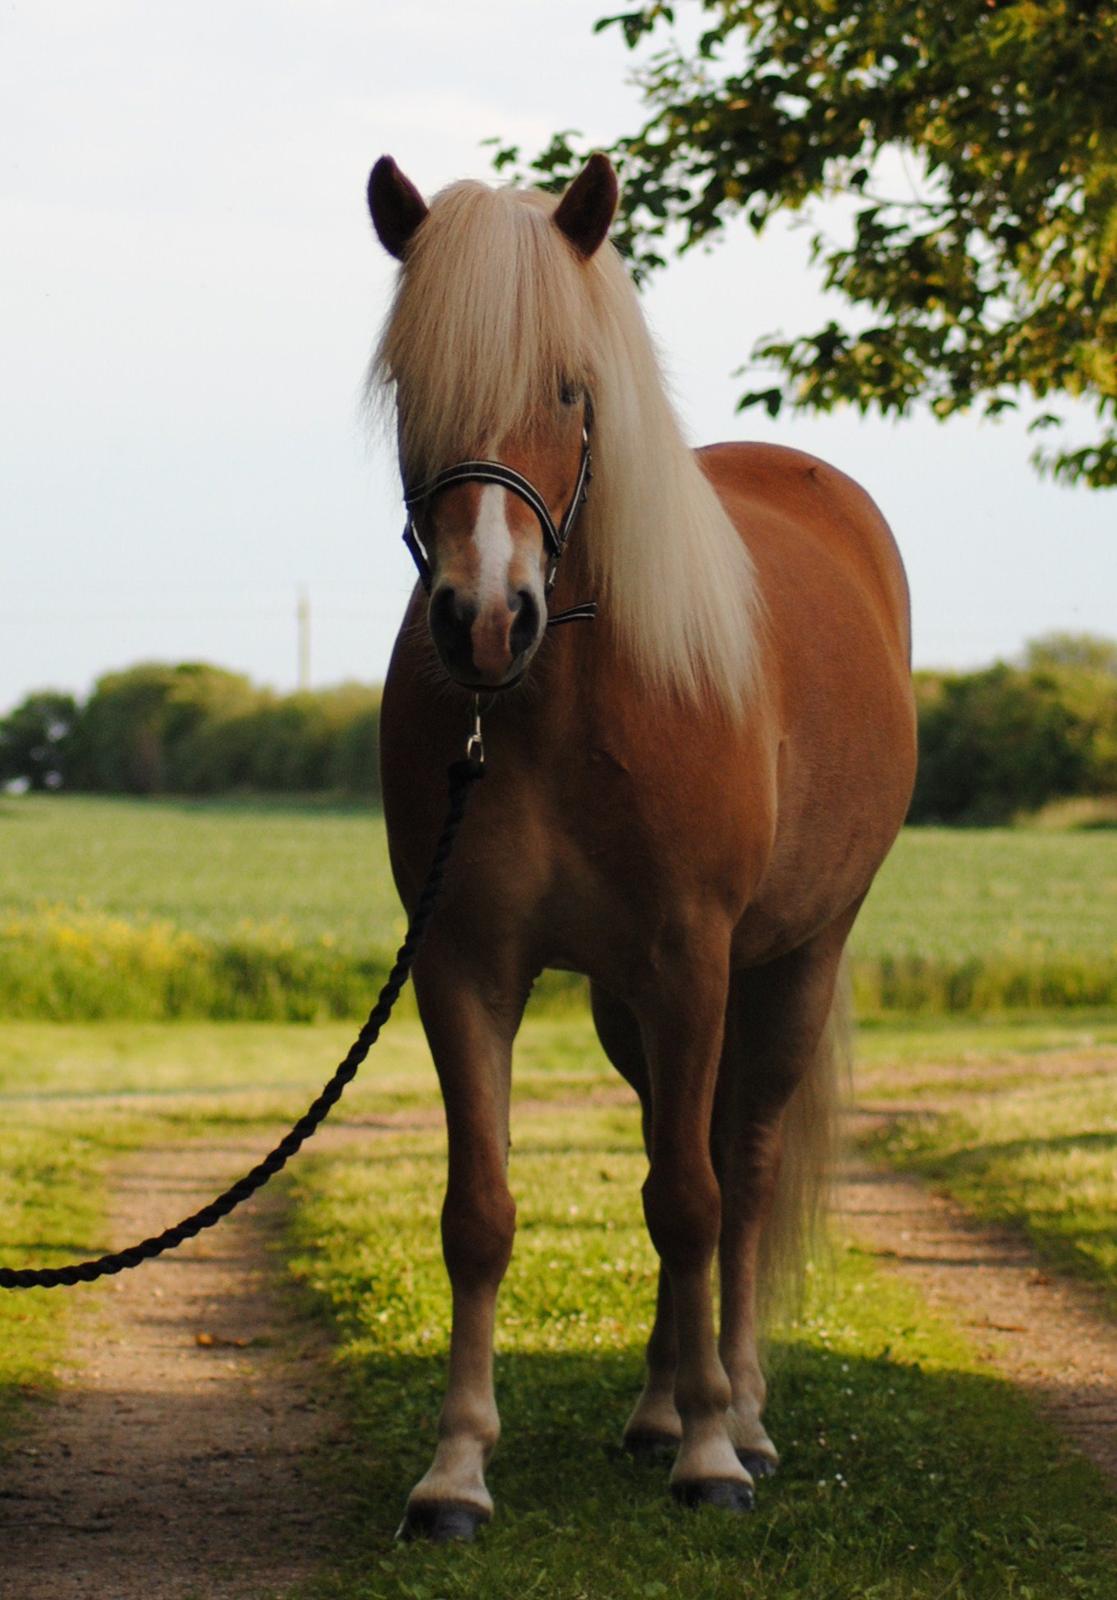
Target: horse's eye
569	394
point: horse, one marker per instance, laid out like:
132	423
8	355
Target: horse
686	798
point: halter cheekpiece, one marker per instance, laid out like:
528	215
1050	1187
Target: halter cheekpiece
554	536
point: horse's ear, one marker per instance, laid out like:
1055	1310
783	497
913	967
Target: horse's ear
588	206
396	206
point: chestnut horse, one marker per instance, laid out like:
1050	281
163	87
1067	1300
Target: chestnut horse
687	798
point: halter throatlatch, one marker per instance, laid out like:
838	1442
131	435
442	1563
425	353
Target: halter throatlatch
555	536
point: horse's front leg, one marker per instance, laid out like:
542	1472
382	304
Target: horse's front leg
682	1023
470	1031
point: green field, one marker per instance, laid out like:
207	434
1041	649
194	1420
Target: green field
159	908
210	868
910	1471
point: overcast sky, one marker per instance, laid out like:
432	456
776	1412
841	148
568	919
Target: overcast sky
189	288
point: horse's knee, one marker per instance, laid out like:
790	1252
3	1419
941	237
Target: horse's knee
477	1233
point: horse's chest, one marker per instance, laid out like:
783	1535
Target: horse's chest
635	874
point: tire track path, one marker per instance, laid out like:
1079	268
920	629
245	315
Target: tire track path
1048	1334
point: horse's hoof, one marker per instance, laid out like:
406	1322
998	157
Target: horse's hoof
651	1446
757	1465
440	1521
728	1494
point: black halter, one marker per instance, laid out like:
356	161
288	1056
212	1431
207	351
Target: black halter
554	537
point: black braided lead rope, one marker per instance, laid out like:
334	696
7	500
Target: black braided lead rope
461	775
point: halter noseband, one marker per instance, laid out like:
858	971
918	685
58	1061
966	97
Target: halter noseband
554	537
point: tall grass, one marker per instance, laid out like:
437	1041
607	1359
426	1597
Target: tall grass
74	966
1003	981
70	966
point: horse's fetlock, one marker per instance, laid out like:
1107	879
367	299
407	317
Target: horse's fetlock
703	1398
479	1424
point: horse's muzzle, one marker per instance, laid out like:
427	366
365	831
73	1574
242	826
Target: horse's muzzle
485	648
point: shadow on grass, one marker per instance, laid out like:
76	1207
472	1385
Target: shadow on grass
911	1136
895	1482
976	1157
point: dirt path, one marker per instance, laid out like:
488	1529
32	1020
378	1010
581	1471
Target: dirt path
1047	1334
179	1460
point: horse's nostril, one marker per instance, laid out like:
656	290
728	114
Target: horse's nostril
451	621
449	614
441	609
526	626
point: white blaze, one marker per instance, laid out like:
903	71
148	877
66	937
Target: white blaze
495	547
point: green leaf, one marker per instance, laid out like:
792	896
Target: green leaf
981	136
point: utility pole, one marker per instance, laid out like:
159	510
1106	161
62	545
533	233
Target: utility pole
302	613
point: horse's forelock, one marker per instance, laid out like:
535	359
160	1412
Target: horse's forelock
488	321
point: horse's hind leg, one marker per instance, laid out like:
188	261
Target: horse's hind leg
776	1048
682	1023
654	1428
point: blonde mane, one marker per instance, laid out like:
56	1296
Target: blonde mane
492	314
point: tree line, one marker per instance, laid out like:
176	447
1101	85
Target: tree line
1009	739
194	729
993	743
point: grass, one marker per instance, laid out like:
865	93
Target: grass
910	1473
49	1207
156	1066
885	1044
981	920
1082	811
210	868
140	909
951	893
1031	1144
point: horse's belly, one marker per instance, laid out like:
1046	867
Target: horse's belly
841	803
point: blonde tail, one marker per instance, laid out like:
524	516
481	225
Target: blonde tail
810	1142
